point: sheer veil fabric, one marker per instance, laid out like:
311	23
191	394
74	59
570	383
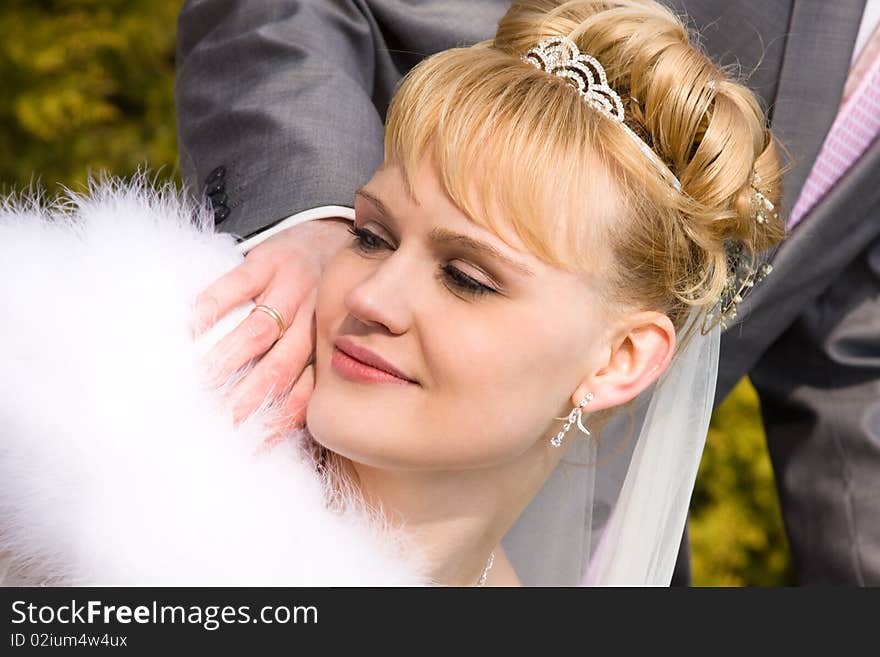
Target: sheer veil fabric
640	542
616	505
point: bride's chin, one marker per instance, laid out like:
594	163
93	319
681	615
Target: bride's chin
329	426
334	432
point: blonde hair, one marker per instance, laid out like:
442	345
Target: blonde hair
510	137
504	132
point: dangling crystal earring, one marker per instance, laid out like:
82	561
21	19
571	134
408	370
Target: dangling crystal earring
574	416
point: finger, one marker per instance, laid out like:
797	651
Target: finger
296	403
256	333
232	289
280	367
292	414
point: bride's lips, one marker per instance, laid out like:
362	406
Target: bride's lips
360	364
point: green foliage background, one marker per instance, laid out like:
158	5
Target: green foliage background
736	531
88	86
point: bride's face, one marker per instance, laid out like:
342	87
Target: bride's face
491	342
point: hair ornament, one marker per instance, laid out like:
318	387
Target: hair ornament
743	273
560	56
762	207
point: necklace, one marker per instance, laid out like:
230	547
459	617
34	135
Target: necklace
489	564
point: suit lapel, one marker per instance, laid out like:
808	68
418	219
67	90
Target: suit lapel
814	70
815	65
835	231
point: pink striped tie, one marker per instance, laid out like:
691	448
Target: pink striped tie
856	125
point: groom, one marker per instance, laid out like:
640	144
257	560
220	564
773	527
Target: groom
280	107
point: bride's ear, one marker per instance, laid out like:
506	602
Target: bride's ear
639	354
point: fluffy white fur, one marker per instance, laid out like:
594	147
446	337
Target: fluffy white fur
117	465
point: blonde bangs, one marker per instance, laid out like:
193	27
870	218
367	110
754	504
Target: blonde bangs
522	155
513	153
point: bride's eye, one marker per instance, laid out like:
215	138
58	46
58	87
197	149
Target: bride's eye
464	282
367	241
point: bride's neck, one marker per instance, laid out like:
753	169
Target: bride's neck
455	518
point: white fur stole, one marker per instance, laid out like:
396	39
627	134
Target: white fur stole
117	465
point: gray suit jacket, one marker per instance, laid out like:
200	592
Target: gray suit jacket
289	96
280	107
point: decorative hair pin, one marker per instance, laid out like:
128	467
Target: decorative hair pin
743	269
762	207
560	56
743	274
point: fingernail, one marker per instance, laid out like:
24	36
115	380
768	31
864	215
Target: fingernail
196	325
211	372
205	316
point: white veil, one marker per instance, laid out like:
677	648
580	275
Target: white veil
614	511
640	542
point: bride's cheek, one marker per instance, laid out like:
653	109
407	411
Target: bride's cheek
334	283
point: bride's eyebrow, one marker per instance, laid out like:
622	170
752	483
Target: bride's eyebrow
444	236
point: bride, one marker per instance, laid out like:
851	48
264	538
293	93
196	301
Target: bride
564	216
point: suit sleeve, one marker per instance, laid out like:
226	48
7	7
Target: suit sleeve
274	106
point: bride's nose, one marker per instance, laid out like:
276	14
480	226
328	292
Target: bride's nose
384	295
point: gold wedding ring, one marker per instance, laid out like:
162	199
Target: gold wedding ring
274	314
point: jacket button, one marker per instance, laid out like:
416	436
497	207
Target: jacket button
220	213
218	198
216	175
215	187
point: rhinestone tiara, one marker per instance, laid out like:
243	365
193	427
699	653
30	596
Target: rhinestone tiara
560	56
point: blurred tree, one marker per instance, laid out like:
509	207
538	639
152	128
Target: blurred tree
88	86
736	531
